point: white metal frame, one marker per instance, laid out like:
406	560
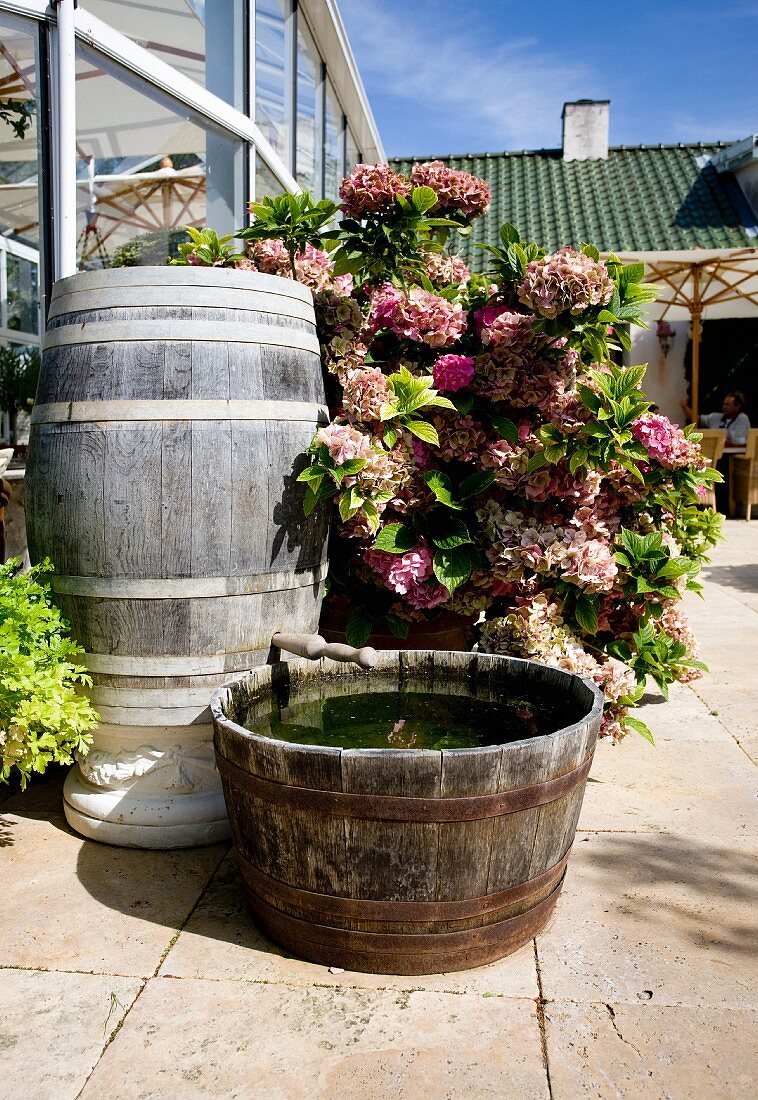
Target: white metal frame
24	252
70	24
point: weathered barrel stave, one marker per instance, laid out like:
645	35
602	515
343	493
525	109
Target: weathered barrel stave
172	500
180	369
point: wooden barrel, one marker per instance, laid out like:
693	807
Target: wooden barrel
172	409
398	861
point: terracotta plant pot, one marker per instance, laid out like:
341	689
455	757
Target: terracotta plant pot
447	631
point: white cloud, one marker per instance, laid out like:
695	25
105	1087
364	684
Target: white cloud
485	94
729	126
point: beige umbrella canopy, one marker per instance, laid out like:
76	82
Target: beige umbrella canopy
701	285
124	205
131	136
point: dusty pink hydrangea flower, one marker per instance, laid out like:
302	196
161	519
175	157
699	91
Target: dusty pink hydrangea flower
313	266
418	315
461	438
674	621
455	190
453	372
364	392
445	270
421	453
344	443
565	280
407	575
369	188
590	565
666	442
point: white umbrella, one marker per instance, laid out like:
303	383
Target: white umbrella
699	285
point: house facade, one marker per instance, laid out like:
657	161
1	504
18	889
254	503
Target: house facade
651	201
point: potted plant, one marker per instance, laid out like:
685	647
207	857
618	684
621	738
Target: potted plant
44	716
486	457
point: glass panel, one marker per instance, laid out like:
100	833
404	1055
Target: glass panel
307	158
333	135
352	152
272	96
19	210
140	181
19	173
266	182
22	289
203	40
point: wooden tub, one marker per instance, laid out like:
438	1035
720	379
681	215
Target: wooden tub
400	861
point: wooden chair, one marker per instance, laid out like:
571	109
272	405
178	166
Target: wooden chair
712	446
743	476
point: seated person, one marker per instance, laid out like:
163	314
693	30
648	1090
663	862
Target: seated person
732	417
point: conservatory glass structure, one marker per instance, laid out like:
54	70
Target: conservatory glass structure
184	110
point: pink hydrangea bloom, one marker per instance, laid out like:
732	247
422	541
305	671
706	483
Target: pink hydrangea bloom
675	623
419	315
445	270
502	329
364	392
665	441
461	438
590	565
565	280
420	453
455	190
453	372
344	443
426	595
369	188
313	266
406	574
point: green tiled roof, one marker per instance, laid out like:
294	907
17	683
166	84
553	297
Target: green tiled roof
642	198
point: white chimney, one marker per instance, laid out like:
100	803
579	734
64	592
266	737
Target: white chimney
585	129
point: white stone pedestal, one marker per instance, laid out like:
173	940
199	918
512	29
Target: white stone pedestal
152	787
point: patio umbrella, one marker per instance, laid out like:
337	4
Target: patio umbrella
701	285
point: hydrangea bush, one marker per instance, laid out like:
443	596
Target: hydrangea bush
486	455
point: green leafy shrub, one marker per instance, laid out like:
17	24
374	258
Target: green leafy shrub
44	717
149	249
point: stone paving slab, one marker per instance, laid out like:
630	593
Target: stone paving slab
672	916
239	1040
53	1028
70	904
686	717
683	786
646	1052
735	710
221	941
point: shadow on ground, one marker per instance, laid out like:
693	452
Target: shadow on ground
707	890
742	577
6	832
221	911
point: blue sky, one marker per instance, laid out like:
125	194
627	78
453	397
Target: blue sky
466	76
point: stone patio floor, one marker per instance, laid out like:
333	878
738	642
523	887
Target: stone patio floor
130	974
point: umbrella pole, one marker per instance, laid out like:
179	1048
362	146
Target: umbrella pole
695	312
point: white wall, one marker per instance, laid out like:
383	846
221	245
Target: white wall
664	382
